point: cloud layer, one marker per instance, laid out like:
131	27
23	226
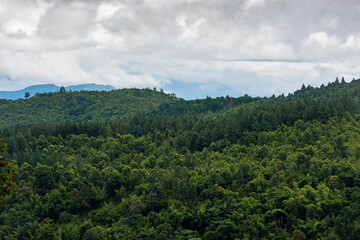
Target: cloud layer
259	47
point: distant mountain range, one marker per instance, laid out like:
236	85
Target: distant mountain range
45	88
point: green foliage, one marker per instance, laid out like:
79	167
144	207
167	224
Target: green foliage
117	104
62	89
277	168
27	95
7	169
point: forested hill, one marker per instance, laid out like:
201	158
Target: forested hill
334	89
79	106
142	164
308	103
100	105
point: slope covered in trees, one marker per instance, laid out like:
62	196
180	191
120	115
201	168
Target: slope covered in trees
78	106
332	90
272	168
95	105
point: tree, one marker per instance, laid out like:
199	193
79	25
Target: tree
113	180
27	95
44	178
156	199
62	89
303	88
7	169
46	230
340	147
342	80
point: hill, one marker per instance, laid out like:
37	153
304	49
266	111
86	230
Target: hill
142	164
93	105
47	88
79	106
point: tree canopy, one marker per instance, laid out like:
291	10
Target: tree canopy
224	168
7	169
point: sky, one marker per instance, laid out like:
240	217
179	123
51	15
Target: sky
193	48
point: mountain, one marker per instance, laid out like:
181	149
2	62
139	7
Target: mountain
31	89
47	88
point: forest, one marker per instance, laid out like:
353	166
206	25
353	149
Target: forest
144	164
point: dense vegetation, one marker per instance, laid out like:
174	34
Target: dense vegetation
7	169
101	105
159	167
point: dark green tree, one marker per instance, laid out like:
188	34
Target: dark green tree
303	88
27	95
7	169
46	230
156	199
44	178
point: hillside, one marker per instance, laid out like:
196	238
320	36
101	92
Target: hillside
116	104
47	88
332	90
75	106
79	106
142	164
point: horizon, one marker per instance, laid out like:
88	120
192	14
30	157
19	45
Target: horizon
161	89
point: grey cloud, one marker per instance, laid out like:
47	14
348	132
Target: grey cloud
255	46
69	19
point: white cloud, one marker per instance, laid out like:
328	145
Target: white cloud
352	42
15	27
189	30
253	3
106	10
322	39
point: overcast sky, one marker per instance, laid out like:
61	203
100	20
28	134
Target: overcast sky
193	48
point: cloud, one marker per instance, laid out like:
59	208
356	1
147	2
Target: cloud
352	42
189	31
258	47
253	3
330	21
67	20
322	39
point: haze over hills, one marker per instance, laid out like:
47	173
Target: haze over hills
47	88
